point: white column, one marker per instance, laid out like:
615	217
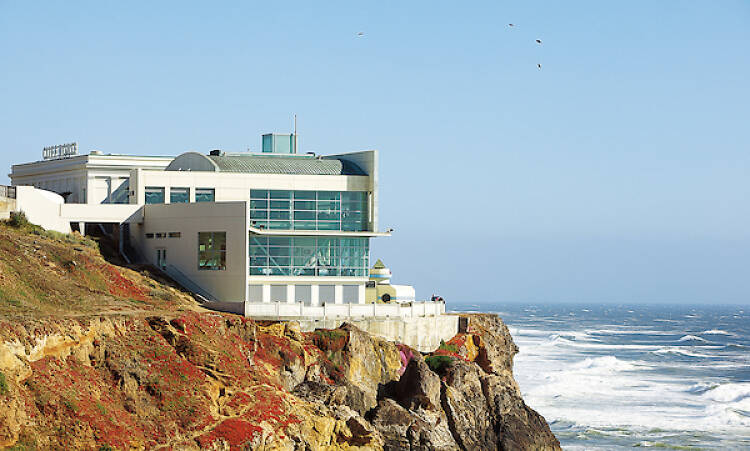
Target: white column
314	295
290	294
266	296
82	228
361	294
338	294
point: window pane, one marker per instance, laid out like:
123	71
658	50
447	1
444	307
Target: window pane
325	216
258	250
305	195
258	194
258	261
353	196
329	225
279	225
329	205
304	225
279	251
204	194
179	195
281	194
303	272
328	195
306	215
304	205
279	241
212	250
280	205
258	240
304	241
154	195
258	214
259	204
279	215
280	261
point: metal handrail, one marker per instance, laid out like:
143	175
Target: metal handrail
191	286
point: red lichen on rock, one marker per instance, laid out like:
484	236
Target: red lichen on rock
237	432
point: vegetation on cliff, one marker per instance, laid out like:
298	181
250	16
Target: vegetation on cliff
96	356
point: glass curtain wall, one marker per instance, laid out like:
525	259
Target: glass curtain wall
309	256
309	210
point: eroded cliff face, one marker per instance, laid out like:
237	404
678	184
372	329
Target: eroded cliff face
212	381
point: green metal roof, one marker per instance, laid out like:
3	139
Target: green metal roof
297	165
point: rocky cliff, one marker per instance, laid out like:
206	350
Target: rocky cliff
162	374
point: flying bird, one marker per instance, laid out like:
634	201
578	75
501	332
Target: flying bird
360	34
539	66
511	25
538	41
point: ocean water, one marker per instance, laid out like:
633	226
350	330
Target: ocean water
611	377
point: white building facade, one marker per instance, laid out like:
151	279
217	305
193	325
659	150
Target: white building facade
240	228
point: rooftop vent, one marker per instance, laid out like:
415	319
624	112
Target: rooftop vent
215	153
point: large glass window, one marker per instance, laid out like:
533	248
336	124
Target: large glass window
154	194
204	194
179	195
212	250
309	210
309	256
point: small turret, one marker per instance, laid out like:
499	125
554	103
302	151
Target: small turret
380	273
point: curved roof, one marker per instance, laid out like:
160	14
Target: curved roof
264	164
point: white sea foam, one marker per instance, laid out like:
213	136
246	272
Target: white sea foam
716	332
566	385
729	393
629	331
681	350
692	338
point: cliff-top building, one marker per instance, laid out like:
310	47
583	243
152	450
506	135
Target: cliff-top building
273	234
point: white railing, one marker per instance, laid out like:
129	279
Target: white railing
277	310
8	191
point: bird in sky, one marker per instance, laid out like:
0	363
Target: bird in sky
539	66
360	34
538	41
511	25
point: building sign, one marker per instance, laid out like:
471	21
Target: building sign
61	151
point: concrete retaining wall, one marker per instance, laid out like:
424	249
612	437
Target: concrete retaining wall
422	333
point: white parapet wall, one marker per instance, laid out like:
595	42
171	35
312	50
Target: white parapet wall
420	325
42	208
300	311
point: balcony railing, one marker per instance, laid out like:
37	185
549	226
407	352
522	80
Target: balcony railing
8	191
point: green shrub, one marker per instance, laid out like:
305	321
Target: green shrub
3	385
70	404
18	220
438	363
447	347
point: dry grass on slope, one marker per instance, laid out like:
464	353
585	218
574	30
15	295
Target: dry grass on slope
45	273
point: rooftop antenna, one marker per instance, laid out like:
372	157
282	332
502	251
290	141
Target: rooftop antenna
295	132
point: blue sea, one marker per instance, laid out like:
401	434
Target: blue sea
617	376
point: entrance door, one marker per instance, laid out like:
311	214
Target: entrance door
161	258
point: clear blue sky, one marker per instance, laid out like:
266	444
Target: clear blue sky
616	173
